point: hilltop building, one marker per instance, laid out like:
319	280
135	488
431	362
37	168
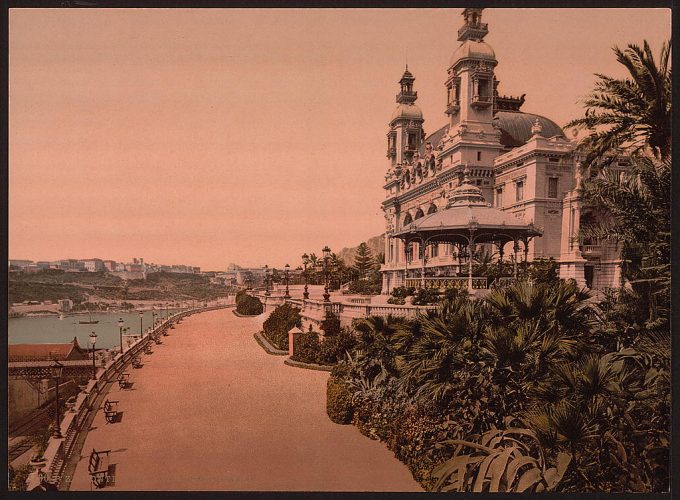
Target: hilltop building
489	153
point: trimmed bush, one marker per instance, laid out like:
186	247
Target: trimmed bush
402	292
306	348
400	301
425	296
338	401
279	323
333	348
248	306
330	325
365	287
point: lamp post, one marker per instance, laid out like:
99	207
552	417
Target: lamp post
121	324
93	341
56	369
326	255
153	319
305	261
141	324
266	281
287	268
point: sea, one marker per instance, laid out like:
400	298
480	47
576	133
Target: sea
51	329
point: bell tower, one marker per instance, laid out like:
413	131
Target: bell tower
406	125
471	81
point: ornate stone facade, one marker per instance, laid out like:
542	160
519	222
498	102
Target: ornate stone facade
522	163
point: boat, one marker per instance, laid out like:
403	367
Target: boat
89	322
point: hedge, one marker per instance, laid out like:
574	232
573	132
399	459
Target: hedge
338	401
279	323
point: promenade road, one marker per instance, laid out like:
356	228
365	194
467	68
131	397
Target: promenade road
210	410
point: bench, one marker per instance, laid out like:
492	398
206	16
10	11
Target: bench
71	403
147	348
136	362
110	410
99	467
124	380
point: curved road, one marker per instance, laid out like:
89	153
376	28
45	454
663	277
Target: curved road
210	410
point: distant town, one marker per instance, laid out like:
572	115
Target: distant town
138	269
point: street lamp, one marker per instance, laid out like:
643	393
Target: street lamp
121	324
287	268
141	324
153	318
326	255
266	281
305	261
93	341
56	369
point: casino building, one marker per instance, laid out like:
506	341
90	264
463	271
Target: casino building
489	168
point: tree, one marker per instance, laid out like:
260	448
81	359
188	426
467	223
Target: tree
632	114
638	214
363	260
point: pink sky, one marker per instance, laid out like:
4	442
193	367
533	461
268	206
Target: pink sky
206	137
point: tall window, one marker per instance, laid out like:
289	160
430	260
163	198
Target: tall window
434	250
552	187
479	156
499	197
519	190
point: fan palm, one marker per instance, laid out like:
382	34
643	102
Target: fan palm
631	114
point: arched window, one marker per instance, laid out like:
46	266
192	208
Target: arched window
419	214
432	209
408	219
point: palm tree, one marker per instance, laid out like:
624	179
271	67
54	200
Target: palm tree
638	210
632	114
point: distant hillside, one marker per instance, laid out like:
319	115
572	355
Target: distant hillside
79	287
376	244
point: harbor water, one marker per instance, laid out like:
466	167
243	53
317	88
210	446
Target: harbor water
53	330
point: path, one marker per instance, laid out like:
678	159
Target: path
232	418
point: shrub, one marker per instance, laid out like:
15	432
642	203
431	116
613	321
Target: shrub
306	348
40	439
249	306
338	401
17	477
279	323
330	325
425	296
400	301
543	271
365	287
401	292
333	348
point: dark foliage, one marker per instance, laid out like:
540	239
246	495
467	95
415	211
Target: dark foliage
279	323
338	401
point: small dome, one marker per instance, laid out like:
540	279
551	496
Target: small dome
406	110
476	49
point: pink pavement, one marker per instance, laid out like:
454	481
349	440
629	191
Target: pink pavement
210	410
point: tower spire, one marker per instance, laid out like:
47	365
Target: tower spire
407	95
473	29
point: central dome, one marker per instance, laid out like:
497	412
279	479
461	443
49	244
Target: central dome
473	49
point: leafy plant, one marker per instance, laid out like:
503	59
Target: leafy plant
510	460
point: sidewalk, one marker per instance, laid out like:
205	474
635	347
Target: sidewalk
210	410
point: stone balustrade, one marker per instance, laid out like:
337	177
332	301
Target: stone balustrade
60	450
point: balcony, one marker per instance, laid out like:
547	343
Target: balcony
453	108
482	101
477	30
591	250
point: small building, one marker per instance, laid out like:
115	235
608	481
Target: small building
41	352
65	305
93	265
109	265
